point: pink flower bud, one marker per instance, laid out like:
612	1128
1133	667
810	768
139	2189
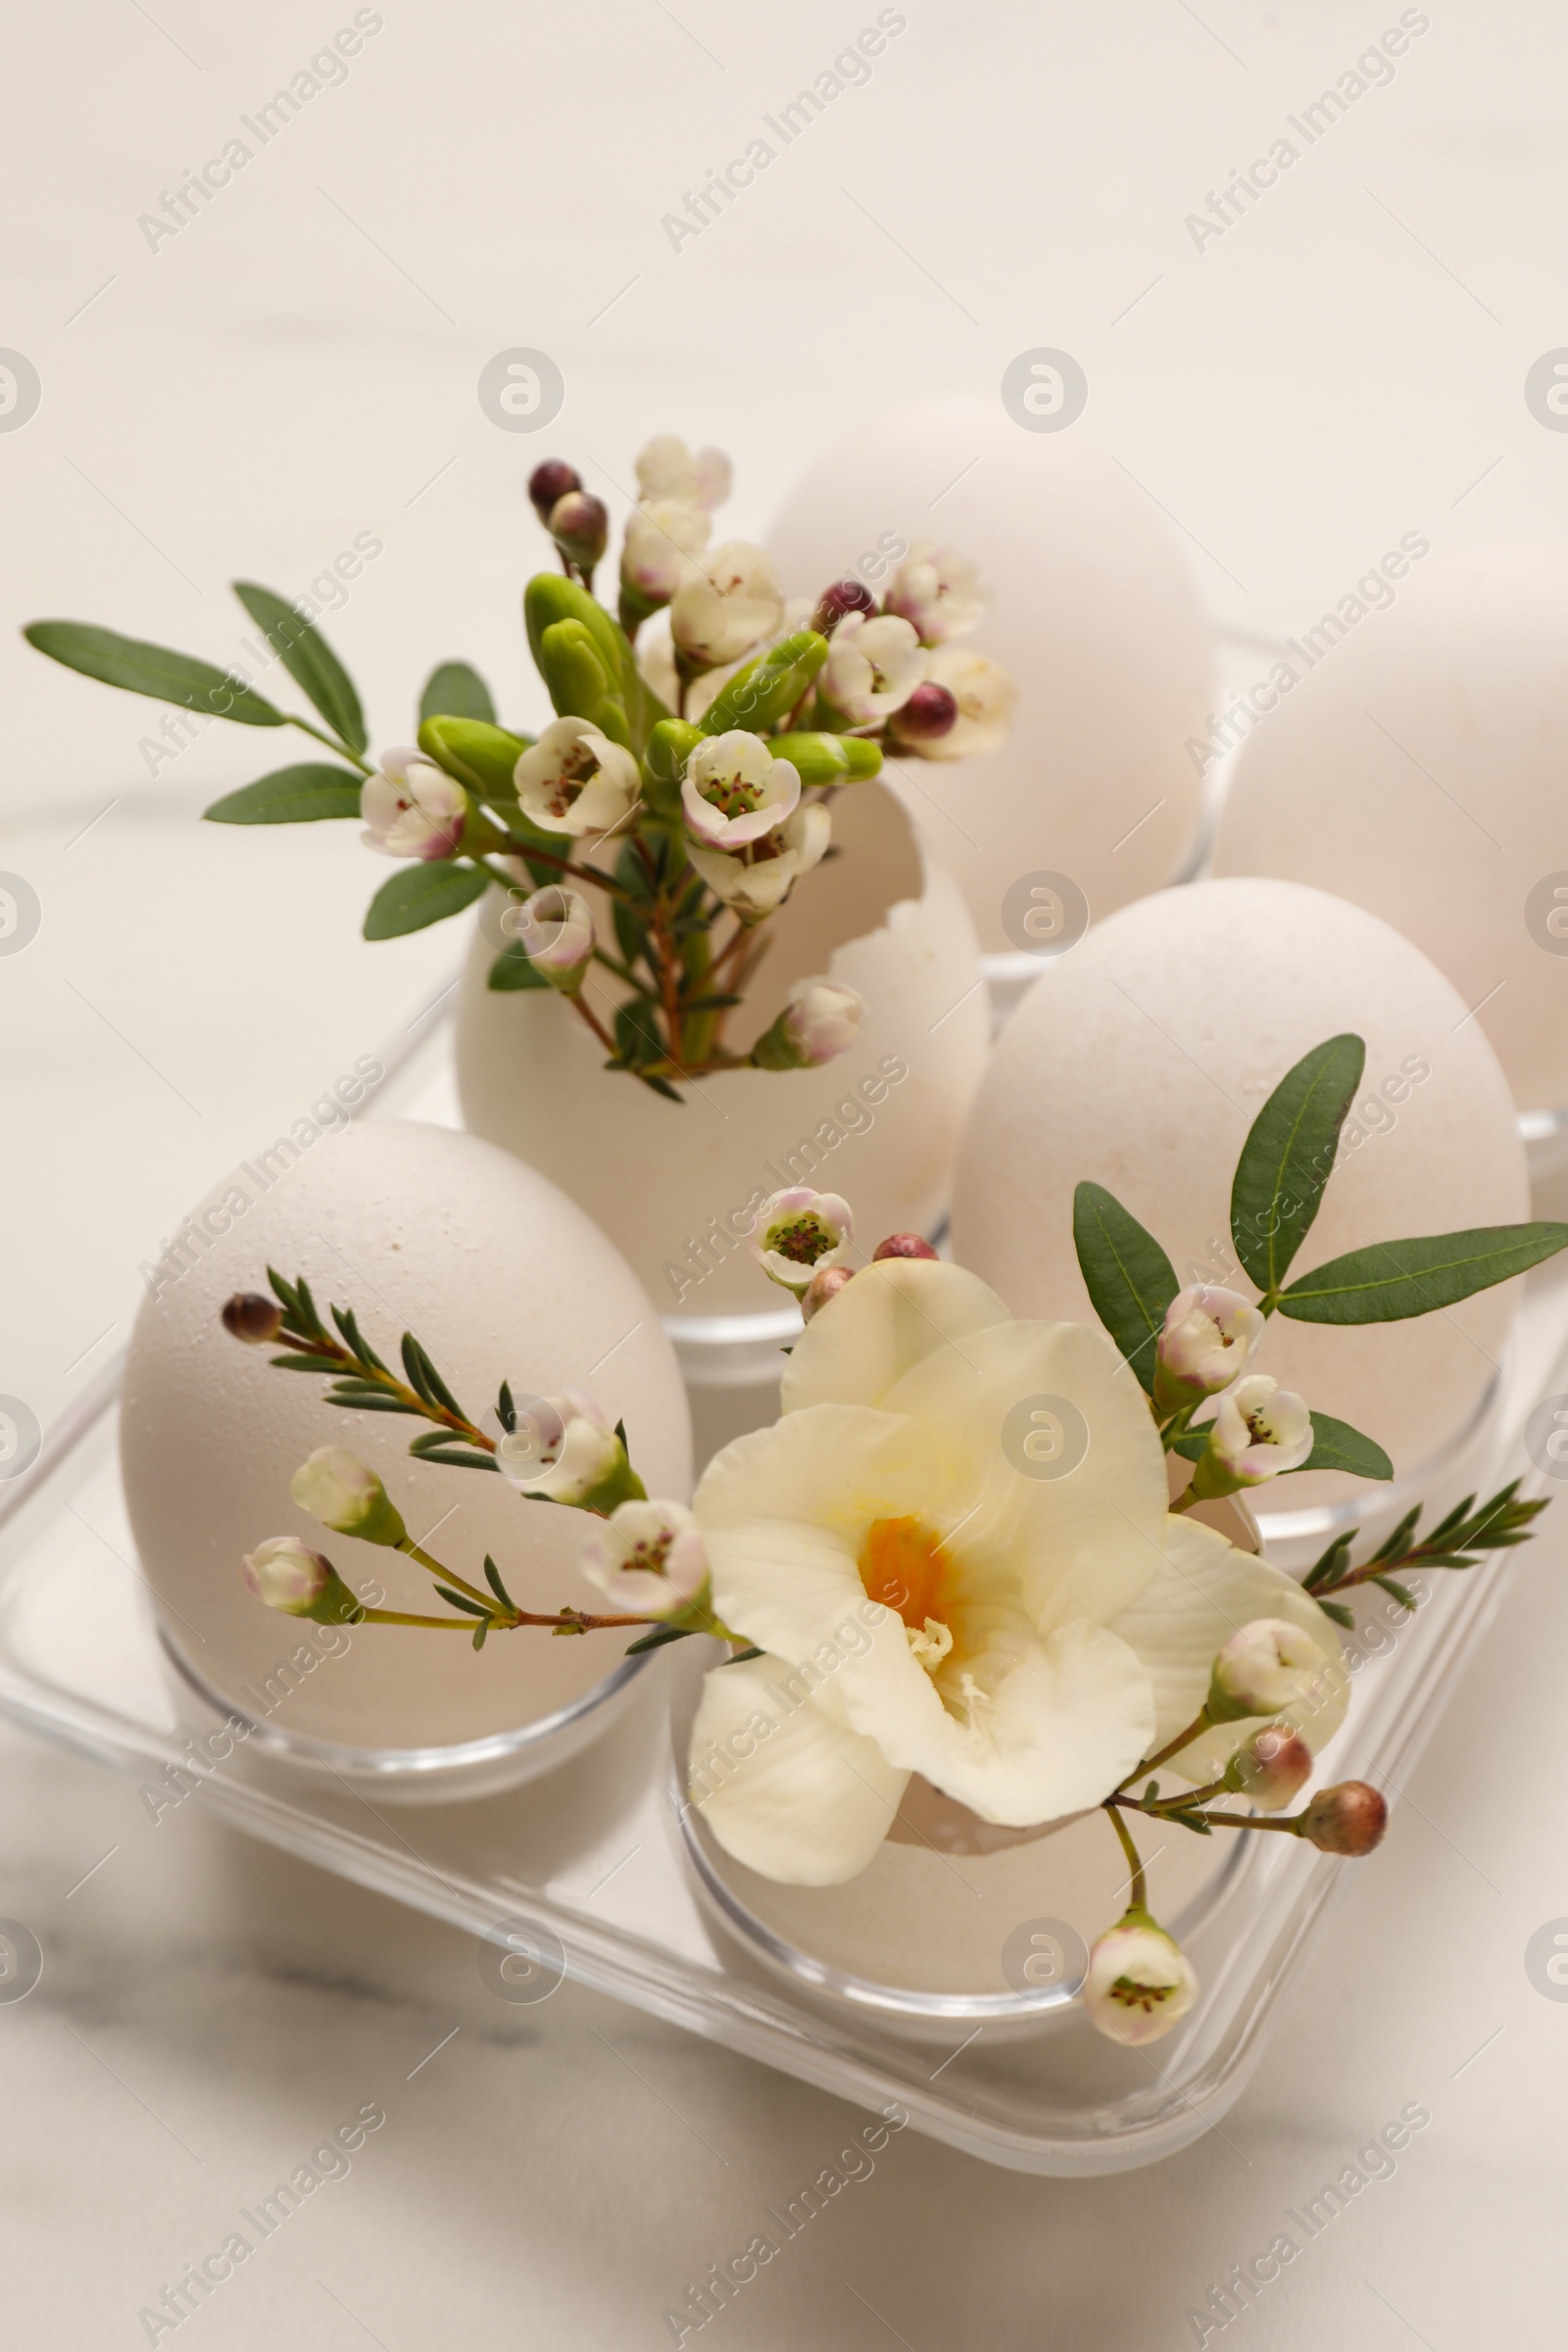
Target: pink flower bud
845	596
287	1575
345	1494
1269	1667
1271	1767
1349	1819
821	1021
251	1316
579	525
902	1244
554	928
550	483
823	1287
930	712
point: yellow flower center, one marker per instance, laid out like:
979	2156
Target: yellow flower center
905	1567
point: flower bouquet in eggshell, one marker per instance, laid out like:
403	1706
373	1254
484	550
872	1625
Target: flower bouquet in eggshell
961	1555
647	837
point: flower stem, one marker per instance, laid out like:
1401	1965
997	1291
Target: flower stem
1216	1821
416	1551
1172	1748
1138	1898
333	744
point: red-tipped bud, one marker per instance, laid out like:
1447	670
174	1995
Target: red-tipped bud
823	1287
579	525
1347	1820
549	483
1271	1766
930	712
845	596
251	1316
903	1245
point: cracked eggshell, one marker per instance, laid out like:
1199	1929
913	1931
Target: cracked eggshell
1141	1059
501	1277
1418	769
677	1186
1093	612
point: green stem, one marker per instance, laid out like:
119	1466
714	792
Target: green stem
333	744
1137	1898
1216	1821
416	1551
1172	1748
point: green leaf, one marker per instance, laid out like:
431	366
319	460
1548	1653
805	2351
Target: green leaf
1335	1445
420	895
513	968
492	1577
455	691
1288	1157
1129	1278
309	660
473	1608
1340	1614
457	1457
1393	1279
141	668
656	1640
290	796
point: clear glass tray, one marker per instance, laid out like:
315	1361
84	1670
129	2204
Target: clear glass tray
587	1869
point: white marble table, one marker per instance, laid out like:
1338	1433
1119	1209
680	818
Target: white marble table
295	367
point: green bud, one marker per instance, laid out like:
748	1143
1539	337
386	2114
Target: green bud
481	757
768	689
581	686
550	598
828	758
670	747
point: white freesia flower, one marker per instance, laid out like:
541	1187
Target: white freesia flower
1209	1335
1260	1430
731	604
986	696
413	809
666	469
873	666
647	1559
938	592
663	542
797	1234
576	780
562	1447
758	880
734	791
1140	1981
884	1504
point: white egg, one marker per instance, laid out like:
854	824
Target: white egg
499	1277
1418	767
1095	615
676	1184
1140	1059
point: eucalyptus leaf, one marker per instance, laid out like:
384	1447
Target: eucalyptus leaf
455	691
1129	1278
309	660
290	796
1288	1157
153	669
1394	1280
420	895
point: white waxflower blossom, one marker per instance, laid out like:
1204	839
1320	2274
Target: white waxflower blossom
666	469
728	607
574	781
938	592
757	880
413	809
734	791
873	666
798	1234
1208	1336
647	1559
1140	1981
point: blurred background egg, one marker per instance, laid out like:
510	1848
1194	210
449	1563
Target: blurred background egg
1141	1059
1420	767
501	1277
1093	612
